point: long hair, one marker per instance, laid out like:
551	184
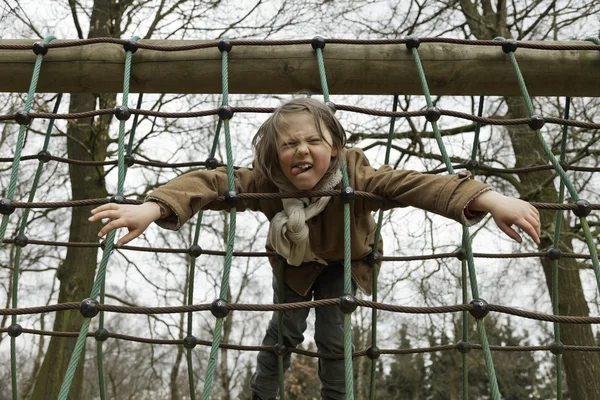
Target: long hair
265	141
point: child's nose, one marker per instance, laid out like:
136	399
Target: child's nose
302	148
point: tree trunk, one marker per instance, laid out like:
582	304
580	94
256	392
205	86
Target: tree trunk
87	139
582	368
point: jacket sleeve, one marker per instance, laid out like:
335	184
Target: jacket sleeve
195	191
446	195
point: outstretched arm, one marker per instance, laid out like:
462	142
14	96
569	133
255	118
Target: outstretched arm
136	218
508	211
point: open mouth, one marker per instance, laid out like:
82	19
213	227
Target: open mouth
301	168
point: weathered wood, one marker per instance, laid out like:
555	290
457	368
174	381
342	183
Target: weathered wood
351	69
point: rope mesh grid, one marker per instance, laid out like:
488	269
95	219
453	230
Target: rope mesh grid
559	168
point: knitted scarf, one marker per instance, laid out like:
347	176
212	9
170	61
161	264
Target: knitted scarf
288	233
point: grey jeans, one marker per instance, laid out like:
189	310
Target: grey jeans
329	336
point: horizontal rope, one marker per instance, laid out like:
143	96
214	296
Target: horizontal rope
250	42
270	196
307	353
360	110
463	165
273	254
304	305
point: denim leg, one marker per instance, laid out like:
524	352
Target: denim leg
265	381
329	332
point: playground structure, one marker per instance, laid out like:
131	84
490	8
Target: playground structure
403	66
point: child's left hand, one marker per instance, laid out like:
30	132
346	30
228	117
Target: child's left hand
508	211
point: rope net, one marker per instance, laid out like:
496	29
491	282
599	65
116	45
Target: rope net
473	302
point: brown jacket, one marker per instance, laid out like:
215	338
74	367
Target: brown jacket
445	195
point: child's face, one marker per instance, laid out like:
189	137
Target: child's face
304	155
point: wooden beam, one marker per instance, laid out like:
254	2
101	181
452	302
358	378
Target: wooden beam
451	69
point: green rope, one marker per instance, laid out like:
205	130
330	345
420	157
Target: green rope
212	360
556	244
190	301
98	287
466	236
21	138
134	125
347	250
231	237
190	297
10	195
557	167
324	86
375	270
464	282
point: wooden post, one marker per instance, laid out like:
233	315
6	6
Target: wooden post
451	69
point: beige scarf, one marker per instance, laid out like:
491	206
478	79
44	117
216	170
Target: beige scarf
288	233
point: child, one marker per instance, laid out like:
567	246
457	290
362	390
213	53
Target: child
299	148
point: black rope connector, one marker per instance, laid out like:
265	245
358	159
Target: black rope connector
219	309
331	106
103	244
318	42
564	165
461	254
22	117
348	194
584	208
373	352
14	330
480	308
433	114
225	112
348	303
412	43
554	253
129	160
280	349
231	198
44	156
224	45
472	165
211	163
463	347
536	122
21	240
374	258
189	342
557	348
130	45
117	198
6	207
101	335
40	49
509	46
195	250
89	308
122	113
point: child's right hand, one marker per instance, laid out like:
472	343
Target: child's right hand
136	218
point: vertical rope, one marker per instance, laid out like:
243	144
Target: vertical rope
225	47
556	245
318	45
98	287
555	163
375	268
10	195
191	274
466	236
